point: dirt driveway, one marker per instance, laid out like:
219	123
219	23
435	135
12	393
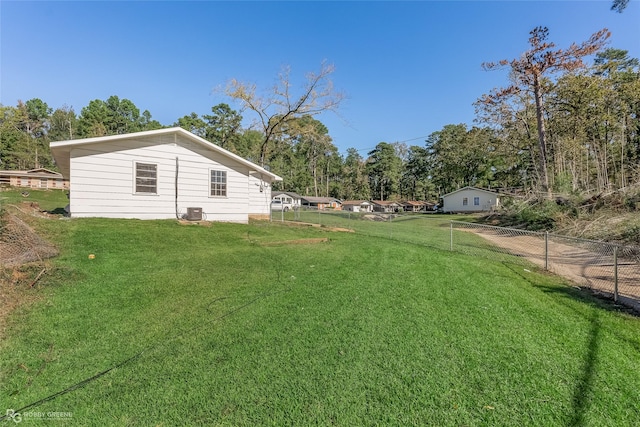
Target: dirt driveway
588	264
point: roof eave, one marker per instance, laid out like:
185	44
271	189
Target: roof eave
61	149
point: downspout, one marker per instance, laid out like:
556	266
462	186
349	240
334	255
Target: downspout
176	189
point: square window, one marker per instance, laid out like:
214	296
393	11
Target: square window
218	183
146	178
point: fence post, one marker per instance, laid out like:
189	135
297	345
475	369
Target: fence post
615	274
546	250
451	236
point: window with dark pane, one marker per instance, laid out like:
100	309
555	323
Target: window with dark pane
146	178
218	183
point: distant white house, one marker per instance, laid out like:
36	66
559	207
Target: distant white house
470	199
287	198
357	206
160	174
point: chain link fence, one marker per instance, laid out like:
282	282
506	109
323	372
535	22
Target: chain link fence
610	269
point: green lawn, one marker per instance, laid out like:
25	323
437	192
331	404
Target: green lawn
247	324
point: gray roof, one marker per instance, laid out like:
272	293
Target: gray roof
288	193
312	199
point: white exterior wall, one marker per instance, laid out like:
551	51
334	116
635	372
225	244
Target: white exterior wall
453	202
259	193
103	181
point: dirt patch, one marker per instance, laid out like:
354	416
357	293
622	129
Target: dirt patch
296	242
200	223
340	229
310	224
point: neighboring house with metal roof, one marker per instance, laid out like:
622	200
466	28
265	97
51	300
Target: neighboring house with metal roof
320	202
160	174
385	206
34	178
415	206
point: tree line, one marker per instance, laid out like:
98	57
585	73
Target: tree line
561	126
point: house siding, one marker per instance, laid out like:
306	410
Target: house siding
103	178
259	192
453	202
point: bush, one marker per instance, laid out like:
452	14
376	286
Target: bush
539	215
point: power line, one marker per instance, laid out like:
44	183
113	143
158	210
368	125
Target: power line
406	140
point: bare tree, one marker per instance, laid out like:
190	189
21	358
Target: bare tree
619	5
280	106
530	69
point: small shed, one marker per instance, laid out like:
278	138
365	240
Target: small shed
470	199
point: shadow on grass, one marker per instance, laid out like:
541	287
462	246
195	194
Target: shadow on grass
57	211
585	383
590	311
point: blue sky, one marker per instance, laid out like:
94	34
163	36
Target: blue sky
407	68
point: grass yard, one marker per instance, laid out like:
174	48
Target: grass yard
233	325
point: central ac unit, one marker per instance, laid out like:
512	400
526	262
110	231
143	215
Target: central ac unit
194	214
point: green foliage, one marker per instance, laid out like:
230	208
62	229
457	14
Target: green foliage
384	168
114	116
592	134
459	157
532	215
632	234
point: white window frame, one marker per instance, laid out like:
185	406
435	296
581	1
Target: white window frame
476	201
465	201
221	187
135	178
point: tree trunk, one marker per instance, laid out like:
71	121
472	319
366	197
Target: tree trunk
542	138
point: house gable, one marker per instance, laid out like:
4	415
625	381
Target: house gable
186	171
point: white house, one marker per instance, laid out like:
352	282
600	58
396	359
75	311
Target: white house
160	174
357	206
287	198
470	199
